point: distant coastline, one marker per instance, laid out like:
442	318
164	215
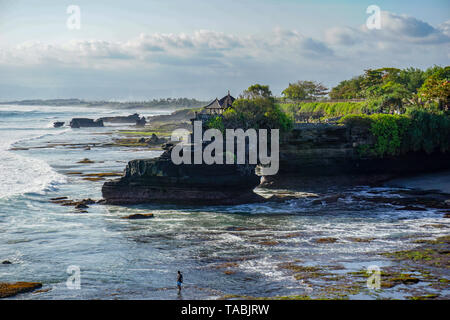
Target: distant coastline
174	103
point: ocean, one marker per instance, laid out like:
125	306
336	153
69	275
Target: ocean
221	250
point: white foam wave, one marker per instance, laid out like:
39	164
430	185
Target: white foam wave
21	175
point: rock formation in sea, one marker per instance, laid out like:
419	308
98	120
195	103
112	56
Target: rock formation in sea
161	181
58	124
133	118
141	122
84	122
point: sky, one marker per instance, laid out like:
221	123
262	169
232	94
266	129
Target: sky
145	49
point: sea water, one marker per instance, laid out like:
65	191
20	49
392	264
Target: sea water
129	259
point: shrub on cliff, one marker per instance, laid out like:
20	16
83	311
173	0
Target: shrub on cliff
428	131
416	131
257	113
390	131
216	123
328	109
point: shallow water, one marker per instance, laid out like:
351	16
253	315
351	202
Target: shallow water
126	259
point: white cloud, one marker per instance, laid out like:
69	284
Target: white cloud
203	60
159	47
399	29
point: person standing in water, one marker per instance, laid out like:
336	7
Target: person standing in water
179	281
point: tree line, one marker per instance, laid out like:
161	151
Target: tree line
385	89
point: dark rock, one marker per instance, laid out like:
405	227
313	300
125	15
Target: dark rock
154	140
326	240
85	161
58	124
161	181
88	201
167	146
122	119
236	229
59	198
139	216
411	208
84	122
141	122
6	262
82	204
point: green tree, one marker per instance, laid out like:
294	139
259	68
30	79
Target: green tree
257	113
348	89
411	78
257	91
302	90
437	88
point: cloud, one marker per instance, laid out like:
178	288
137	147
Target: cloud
395	28
403	25
445	28
201	46
196	64
343	36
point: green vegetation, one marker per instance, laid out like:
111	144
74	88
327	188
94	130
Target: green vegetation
303	90
417	130
310	111
400	111
384	90
255	109
257	91
391	89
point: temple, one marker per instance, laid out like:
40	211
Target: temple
219	106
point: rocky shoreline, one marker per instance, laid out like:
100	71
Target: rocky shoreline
312	158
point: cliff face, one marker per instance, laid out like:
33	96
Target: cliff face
160	181
328	154
310	156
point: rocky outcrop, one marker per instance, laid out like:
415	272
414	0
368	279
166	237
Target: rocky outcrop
58	124
161	181
84	122
141	122
139	216
13	289
324	155
133	118
154	140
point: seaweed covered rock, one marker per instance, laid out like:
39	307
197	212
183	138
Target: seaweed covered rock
13	289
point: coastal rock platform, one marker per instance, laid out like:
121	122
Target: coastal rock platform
161	181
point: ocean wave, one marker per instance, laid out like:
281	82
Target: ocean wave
21	175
